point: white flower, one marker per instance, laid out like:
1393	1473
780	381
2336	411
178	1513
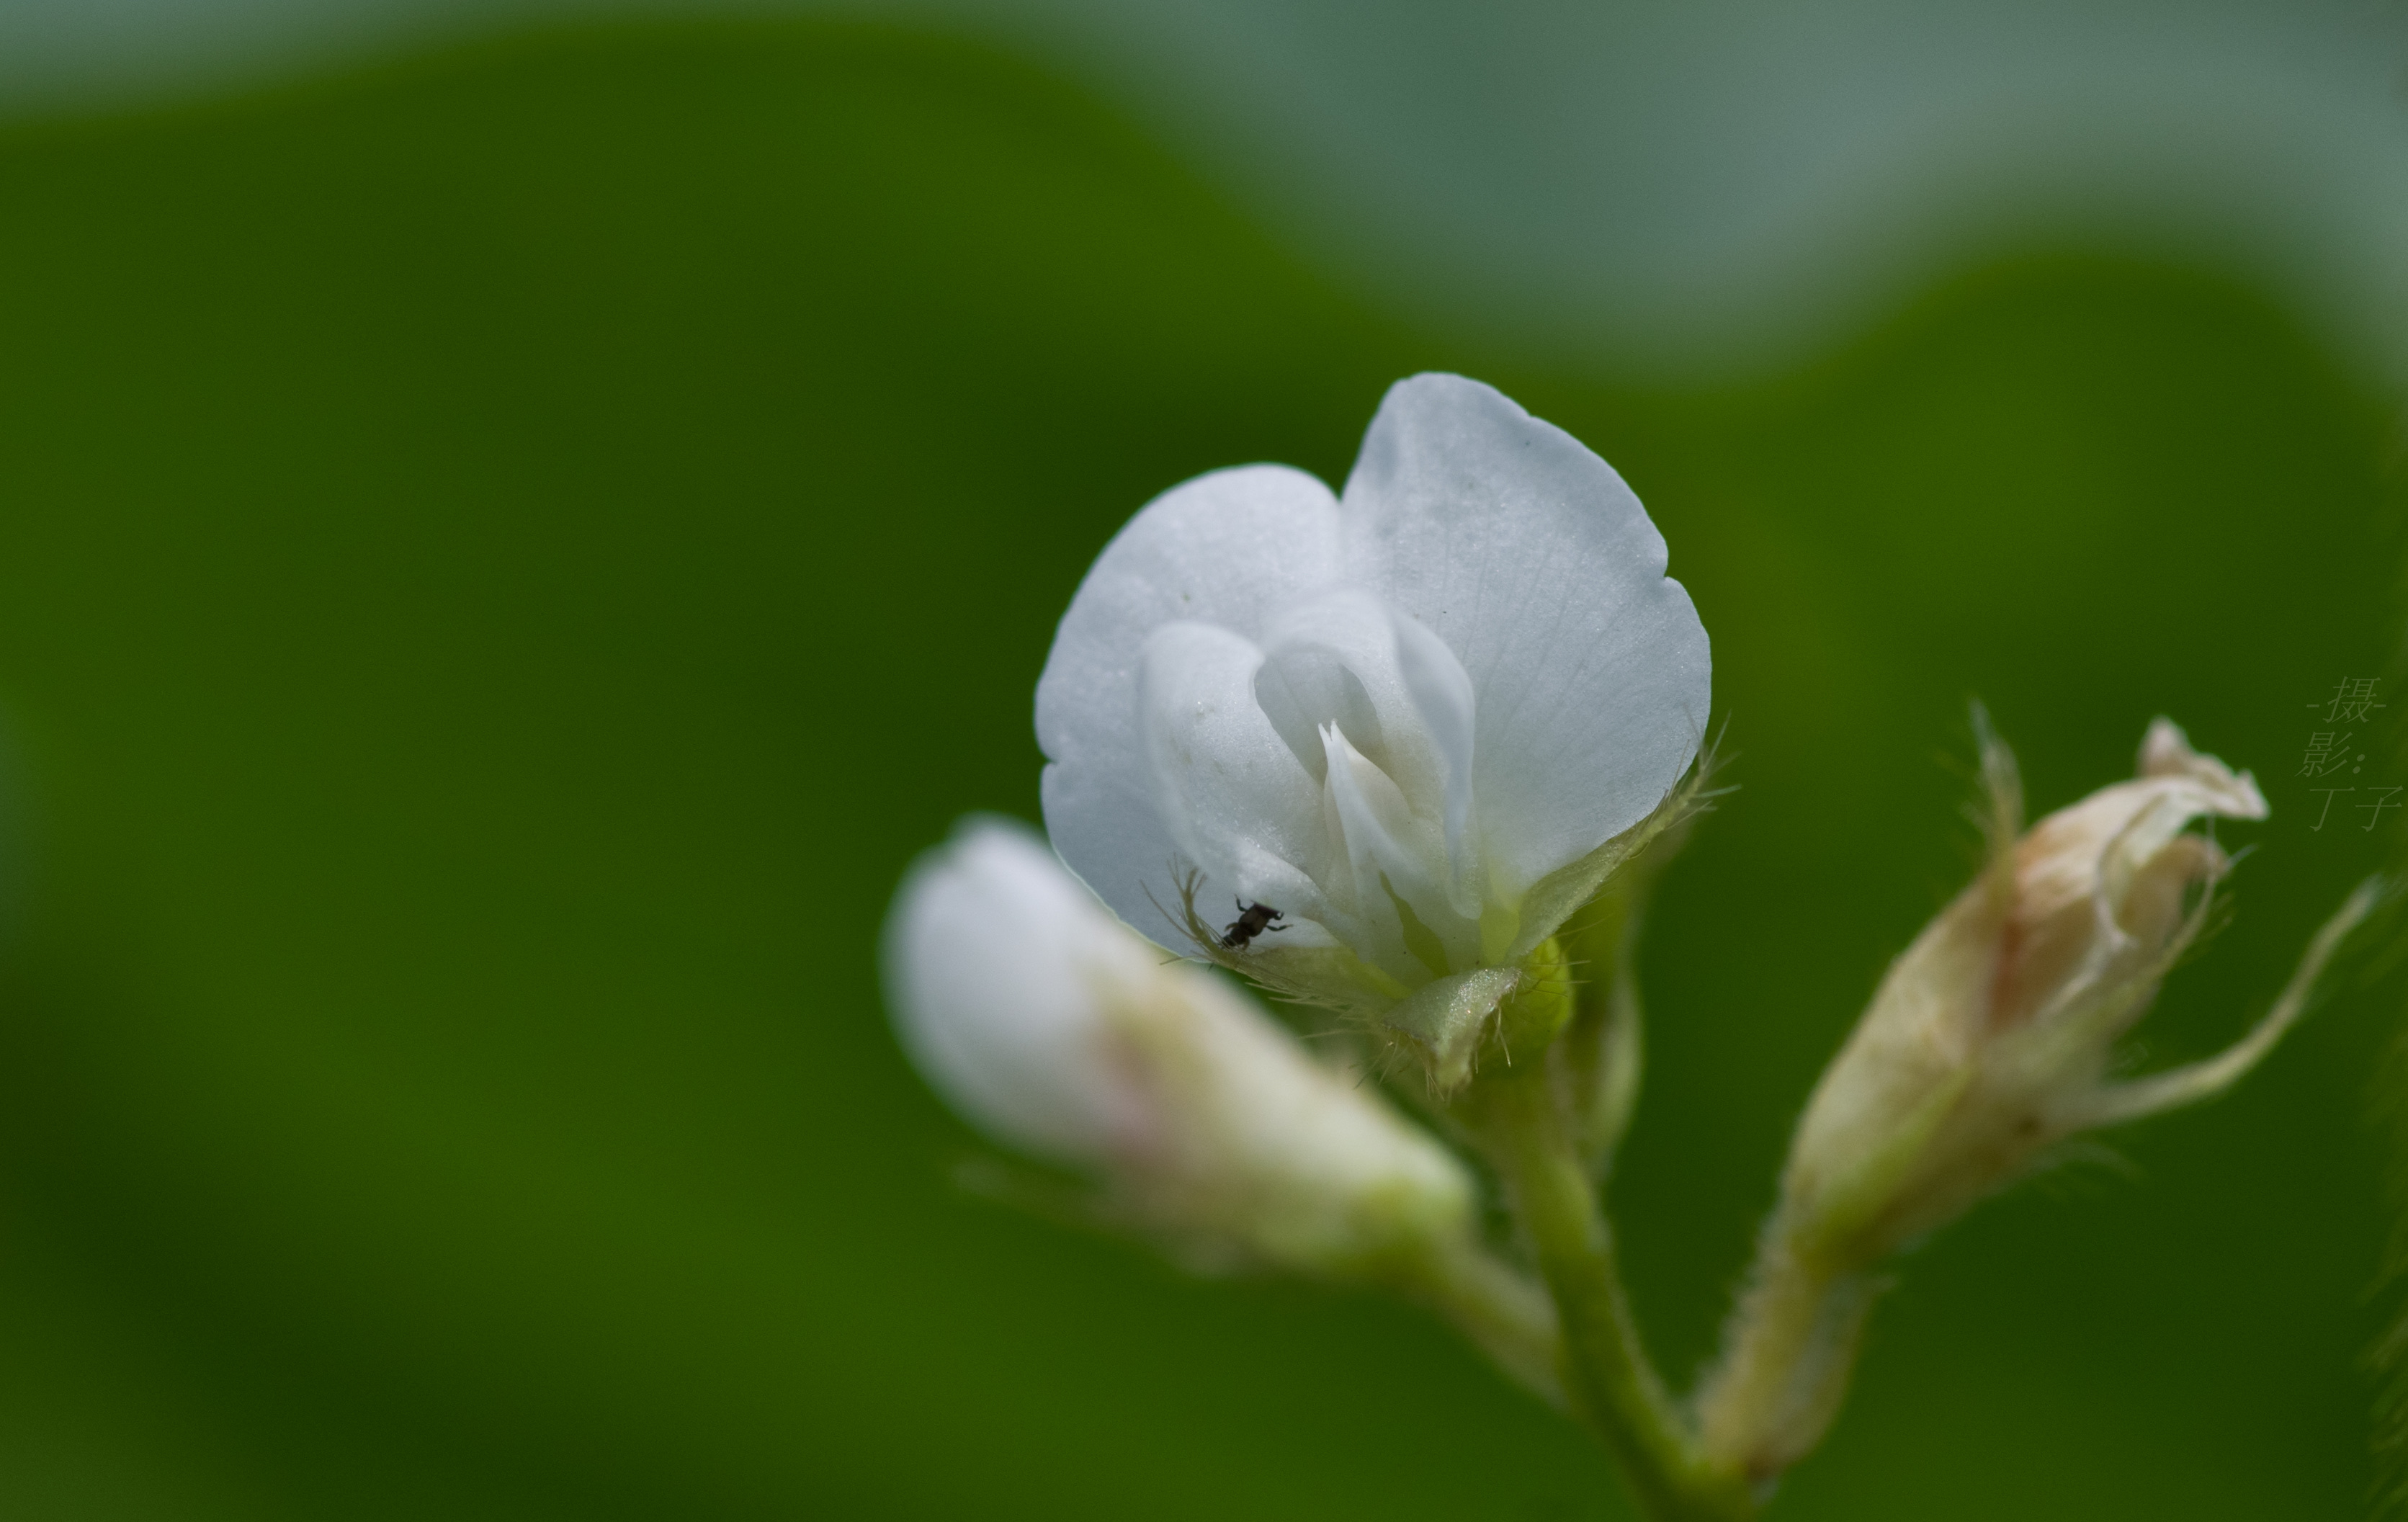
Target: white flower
1412	718
1057	1030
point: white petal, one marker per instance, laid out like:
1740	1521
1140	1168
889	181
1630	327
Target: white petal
1238	802
1315	661
1393	855
1399	697
1229	549
1342	656
1537	566
995	958
1441	689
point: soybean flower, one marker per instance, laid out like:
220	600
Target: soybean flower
1423	719
1395	737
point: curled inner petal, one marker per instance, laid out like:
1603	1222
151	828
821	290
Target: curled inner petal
1327	772
1441	693
1238	802
1396	860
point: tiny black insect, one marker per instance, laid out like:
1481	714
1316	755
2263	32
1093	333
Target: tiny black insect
1252	920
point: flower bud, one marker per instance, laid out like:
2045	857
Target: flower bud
1988	1042
1057	1029
1991	1037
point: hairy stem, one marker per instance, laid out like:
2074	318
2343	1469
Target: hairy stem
1607	1377
1786	1358
1500	1310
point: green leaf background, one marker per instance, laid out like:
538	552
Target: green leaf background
507	554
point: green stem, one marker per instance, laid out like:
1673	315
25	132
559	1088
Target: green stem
1606	1373
1499	1309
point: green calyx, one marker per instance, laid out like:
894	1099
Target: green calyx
1456	1024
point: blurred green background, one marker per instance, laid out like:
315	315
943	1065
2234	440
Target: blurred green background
506	556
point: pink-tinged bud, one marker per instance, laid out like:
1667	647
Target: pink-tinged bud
1989	1040
1991	1037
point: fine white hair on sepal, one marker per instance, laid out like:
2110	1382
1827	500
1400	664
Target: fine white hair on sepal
1392	712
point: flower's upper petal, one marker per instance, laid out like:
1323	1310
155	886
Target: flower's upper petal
996	959
1238	802
1228	548
1528	557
